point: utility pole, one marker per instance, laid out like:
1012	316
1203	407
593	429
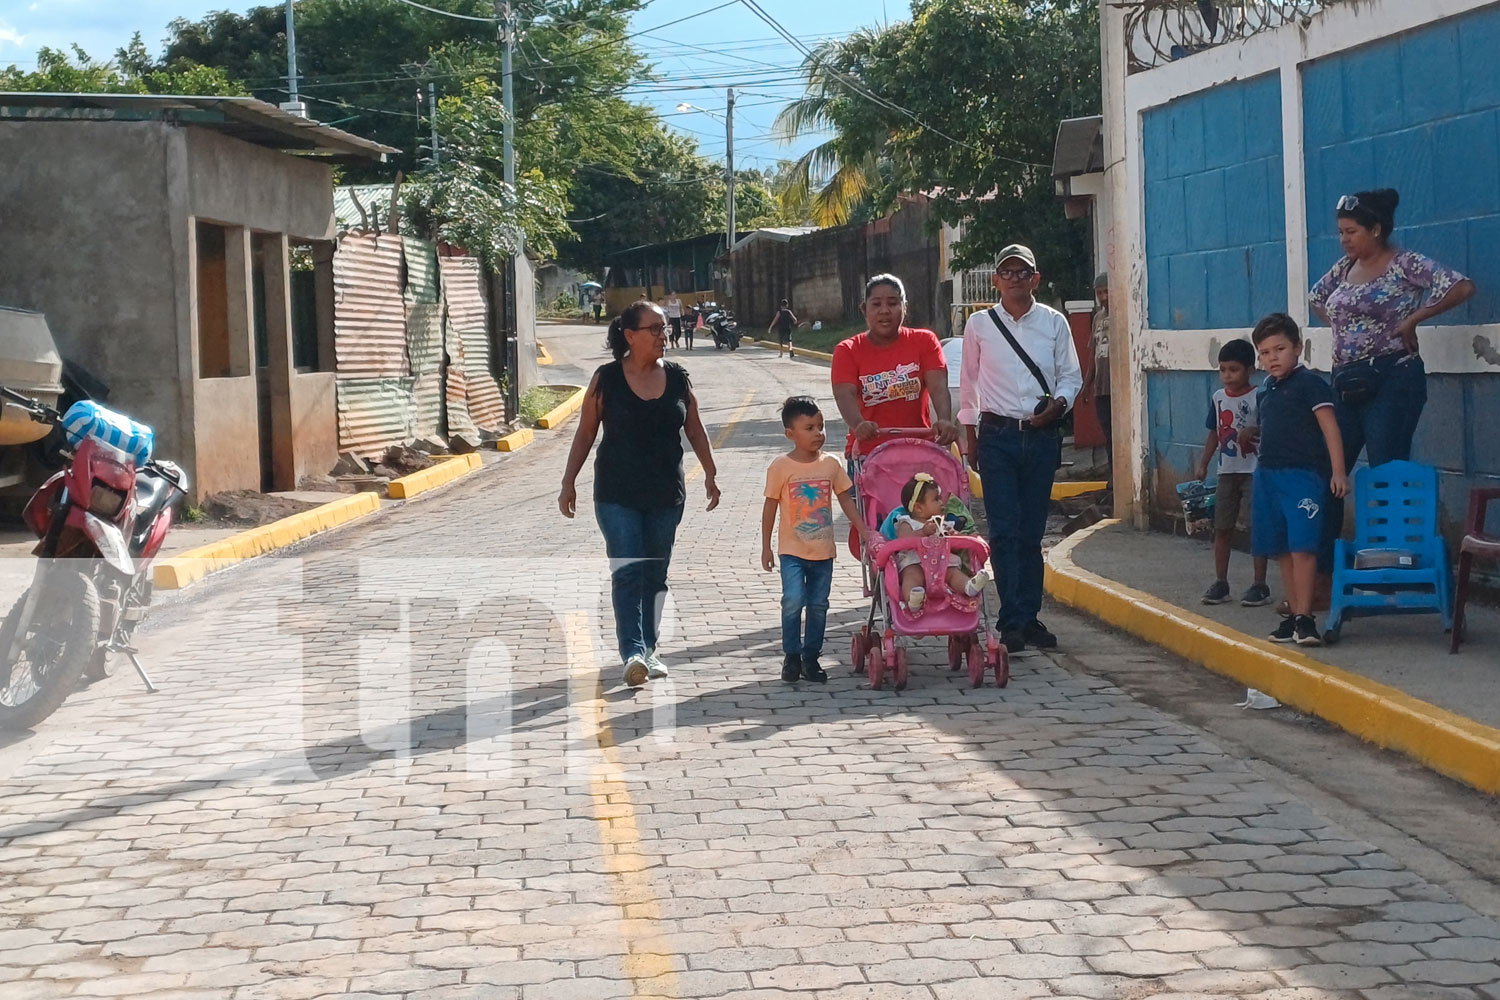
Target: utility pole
508	88
432	117
292	105
729	167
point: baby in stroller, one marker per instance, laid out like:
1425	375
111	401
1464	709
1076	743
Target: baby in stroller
922	513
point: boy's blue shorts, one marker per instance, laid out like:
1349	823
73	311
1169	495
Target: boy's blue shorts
1286	513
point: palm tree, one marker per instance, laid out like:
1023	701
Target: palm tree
841	174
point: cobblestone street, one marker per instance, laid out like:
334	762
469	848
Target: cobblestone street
400	763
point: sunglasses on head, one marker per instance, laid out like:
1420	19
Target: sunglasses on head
1016	273
1348	203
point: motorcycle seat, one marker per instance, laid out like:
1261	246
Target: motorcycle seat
152	493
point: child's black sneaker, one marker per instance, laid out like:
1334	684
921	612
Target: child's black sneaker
1287	630
1307	631
1258	596
791	668
812	672
1218	593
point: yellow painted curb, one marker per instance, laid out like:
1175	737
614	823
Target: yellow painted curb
543	357
771	345
1070	488
187	568
1449	743
554	417
433	476
516	441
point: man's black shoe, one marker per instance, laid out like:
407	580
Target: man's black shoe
1037	635
791	667
1013	639
812	672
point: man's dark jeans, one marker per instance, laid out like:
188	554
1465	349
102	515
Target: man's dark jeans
805	584
639	546
1017	468
1383	427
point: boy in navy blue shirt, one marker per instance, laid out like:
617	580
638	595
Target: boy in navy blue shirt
1301	461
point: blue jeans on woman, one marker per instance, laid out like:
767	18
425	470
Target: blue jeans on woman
639	546
1384	427
805	584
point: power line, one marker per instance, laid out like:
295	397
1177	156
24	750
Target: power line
449	13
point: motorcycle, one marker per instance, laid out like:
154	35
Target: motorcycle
721	324
100	522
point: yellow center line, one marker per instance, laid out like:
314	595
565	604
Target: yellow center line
649	961
725	432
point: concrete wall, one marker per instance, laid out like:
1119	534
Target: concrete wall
235	183
90	240
1383	93
313	398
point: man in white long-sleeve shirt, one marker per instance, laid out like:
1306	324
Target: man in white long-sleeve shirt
1012	415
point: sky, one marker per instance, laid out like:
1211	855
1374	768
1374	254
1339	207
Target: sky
698	57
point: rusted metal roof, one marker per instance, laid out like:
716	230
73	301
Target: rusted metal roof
369	310
374	413
468	315
243	118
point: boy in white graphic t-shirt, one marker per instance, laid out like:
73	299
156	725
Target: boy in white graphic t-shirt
1235	407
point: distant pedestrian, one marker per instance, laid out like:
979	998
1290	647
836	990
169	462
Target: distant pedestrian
891	375
782	324
691	318
1020	374
1374	299
673	306
801	487
1233	409
597	300
1301	461
644	405
1097	379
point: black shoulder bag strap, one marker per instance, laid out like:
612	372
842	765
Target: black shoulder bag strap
1015	345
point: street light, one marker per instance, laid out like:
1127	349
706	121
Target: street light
728	119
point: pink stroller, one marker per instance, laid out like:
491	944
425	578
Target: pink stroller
896	456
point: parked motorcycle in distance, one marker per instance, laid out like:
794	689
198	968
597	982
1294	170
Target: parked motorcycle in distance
721	324
101	522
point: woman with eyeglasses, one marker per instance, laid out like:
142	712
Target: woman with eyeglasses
644	404
1374	299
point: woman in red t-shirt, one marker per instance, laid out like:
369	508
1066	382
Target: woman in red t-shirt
888	375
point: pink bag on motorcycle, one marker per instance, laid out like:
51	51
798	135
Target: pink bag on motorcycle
87	418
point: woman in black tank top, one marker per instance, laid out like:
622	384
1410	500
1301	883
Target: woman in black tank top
644	405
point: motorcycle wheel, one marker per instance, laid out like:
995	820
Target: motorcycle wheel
58	644
102	663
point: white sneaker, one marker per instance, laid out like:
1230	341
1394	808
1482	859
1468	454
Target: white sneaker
655	669
636	672
916	599
977	583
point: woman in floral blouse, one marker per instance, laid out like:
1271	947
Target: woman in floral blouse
1374	299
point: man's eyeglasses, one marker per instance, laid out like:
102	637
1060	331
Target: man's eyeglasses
1016	274
1348	203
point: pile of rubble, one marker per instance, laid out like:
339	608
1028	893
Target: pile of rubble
356	474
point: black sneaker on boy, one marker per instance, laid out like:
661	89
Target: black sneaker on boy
791	667
1218	593
812	672
1258	596
1307	631
1287	630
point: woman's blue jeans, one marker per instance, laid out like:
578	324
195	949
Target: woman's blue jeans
1383	427
639	546
805	584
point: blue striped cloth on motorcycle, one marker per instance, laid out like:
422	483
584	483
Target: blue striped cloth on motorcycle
87	418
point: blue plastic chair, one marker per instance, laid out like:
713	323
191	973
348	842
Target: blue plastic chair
1396	521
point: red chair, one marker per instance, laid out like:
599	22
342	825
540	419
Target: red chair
1475	543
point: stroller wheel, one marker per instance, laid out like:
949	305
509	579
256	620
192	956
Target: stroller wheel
899	679
1000	659
955	653
877	667
858	648
976	664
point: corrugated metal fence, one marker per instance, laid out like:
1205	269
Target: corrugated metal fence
414	344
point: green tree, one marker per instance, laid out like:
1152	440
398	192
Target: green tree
131	72
979	87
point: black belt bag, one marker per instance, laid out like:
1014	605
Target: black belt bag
1359	381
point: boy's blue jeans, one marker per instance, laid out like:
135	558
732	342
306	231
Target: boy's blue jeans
805	584
639	545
